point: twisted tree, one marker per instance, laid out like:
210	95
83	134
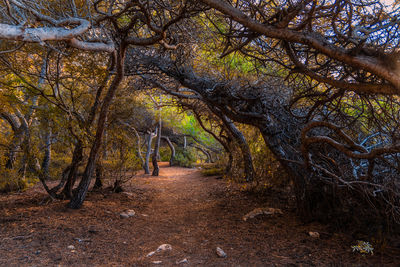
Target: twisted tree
342	146
101	26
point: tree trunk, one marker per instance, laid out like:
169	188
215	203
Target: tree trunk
80	194
244	147
105	140
156	169
47	152
205	152
73	170
148	153
225	143
283	146
27	160
228	167
171	146
99	176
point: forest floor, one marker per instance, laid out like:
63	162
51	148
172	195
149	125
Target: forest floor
192	213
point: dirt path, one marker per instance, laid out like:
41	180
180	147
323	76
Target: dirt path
192	213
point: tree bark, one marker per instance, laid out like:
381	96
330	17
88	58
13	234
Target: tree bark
156	151
73	170
79	197
205	152
99	176
228	167
244	147
47	152
148	154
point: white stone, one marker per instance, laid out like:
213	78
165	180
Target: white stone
71	247
156	262
151	254
260	211
221	253
185	260
164	247
130	213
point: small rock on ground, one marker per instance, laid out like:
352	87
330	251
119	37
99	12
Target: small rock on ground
260	211
314	234
185	260
151	254
71	247
164	247
221	253
156	262
130	213
127	214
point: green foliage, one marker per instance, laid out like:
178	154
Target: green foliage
268	171
212	169
213	172
185	157
165	153
363	247
121	163
59	161
185	123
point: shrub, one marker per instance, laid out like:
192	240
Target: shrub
165	153
10	181
185	157
363	247
122	163
213	172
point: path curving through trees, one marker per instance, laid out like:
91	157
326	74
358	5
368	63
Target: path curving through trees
181	207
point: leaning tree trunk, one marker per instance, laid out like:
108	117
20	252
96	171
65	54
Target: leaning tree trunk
226	144
171	146
80	194
205	152
244	147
